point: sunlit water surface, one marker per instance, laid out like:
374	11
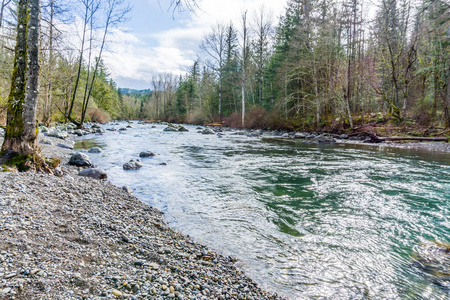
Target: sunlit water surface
305	221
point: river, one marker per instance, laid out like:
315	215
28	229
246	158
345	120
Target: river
306	221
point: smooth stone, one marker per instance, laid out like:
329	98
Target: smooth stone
80	159
127	189
65	146
138	263
10	275
117	293
46	141
55	132
94	173
95	150
146	154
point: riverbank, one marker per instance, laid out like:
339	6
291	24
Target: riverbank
73	237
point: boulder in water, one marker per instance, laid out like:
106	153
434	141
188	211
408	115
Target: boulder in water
175	128
132	165
207	131
146	154
95	150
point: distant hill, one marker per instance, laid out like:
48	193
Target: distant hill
127	91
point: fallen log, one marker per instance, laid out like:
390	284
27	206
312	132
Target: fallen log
411	138
214	124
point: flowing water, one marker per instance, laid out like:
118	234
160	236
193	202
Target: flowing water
306	221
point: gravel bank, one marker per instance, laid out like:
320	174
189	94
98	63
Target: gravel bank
77	238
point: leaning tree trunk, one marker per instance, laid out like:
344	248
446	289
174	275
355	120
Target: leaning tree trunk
21	130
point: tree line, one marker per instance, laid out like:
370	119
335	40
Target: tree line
323	64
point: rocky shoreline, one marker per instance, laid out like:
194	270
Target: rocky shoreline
73	237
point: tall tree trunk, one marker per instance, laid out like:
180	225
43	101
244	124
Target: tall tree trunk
21	130
447	103
244	21
48	88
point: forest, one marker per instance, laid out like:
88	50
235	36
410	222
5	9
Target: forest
321	65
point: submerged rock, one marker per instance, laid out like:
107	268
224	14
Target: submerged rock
146	154
94	173
80	159
95	150
433	258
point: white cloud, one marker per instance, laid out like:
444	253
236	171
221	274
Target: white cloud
132	59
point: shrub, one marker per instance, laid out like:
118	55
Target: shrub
198	116
233	121
98	115
256	118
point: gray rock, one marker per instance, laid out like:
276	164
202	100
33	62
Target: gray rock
95	150
325	139
78	132
65	146
285	135
175	128
46	141
122	129
207	131
58	171
132	165
146	154
240	132
299	135
94	173
170	128
127	189
96	126
99	130
80	159
55	132
343	136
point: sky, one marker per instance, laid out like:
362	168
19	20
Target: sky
155	41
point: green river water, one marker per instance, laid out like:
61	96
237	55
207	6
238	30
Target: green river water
306	221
